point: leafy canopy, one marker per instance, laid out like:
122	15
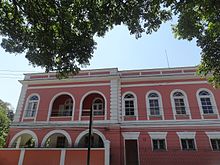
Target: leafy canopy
59	34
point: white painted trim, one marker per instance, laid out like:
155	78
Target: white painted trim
21	157
185	102
57	132
135	104
159	101
87	94
100	134
54	98
213	135
62	156
163	84
20	103
68	86
130	135
212	99
158	135
107	152
24	132
187	135
26	105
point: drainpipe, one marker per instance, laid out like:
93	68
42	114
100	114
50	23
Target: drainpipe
90	136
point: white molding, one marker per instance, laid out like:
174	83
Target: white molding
100	134
186	135
26	131
68	86
87	94
20	104
212	99
26	105
159	101
21	157
165	83
62	156
54	98
130	135
135	105
115	93
186	102
213	135
158	135
63	132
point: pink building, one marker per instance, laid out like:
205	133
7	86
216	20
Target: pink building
150	116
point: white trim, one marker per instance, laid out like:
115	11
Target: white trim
135	104
161	84
158	135
21	157
187	135
68	86
24	132
54	98
130	135
213	135
62	156
212	99
79	137
185	102
26	106
159	101
87	94
20	103
57	132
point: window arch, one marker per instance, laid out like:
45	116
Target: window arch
129	104
31	106
206	102
179	103
154	104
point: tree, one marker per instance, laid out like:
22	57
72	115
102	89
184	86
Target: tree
59	34
4	126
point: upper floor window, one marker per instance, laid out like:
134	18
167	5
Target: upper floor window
206	102
97	107
215	144
154	104
179	103
188	144
62	106
129	105
32	106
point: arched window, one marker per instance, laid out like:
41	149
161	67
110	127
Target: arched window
97	107
32	106
206	102
154	104
179	102
129	105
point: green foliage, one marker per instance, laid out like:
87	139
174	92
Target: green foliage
58	34
4	126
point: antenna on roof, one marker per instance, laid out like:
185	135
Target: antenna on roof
167	59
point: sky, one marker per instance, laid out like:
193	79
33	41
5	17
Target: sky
118	49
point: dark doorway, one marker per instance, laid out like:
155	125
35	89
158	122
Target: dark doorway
131	152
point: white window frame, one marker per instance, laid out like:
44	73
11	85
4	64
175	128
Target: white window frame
159	102
212	99
187	135
213	135
158	136
186	103
26	106
135	104
93	102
